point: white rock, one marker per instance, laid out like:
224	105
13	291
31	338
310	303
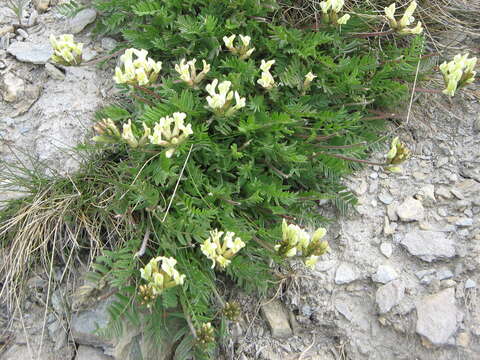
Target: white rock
35	53
385	198
54	72
81	20
41	5
444	274
389	295
437	317
384	274
386	249
277	319
345	274
428	192
464	222
410	210
109	44
429	245
470	284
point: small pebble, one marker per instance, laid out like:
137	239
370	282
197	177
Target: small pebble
464	222
470	284
385	198
386	249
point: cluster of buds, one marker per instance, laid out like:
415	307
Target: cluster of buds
244	50
266	79
170	131
131	139
206	335
331	9
65	50
296	241
221	102
159	278
458	73
231	311
107	131
397	154
188	71
141	71
219	250
402	26
308	81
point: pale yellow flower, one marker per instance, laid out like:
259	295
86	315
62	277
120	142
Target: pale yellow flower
343	20
139	71
65	50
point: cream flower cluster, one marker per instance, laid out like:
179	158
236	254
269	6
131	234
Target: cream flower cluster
220	102
458	73
397	154
266	80
219	250
188	71
141	71
160	274
330	10
308	81
402	26
170	131
65	50
296	241
244	51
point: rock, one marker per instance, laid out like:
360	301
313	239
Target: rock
410	210
420	274
6	29
109	44
389	295
85	323
345	274
444	274
392	212
476	124
463	339
13	87
427	192
437	317
386	249
447	283
81	20
31	52
277	319
360	189
22	33
32	20
90	353
444	192
41	5
54	72
429	245
470	284
464	222
384	274
385	198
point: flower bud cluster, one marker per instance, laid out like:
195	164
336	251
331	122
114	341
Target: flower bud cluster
458	73
141	71
402	26
220	102
331	9
266	79
219	250
65	50
244	51
397	154
188	71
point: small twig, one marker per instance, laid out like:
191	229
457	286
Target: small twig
95	61
430	91
318	138
363	143
307	348
178	182
278	171
145	101
217	295
143	248
371	34
264	244
148	91
343	157
189	321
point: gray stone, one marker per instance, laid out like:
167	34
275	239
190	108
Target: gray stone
389	295
6	29
85	323
345	274
392	212
386	249
470	284
410	210
429	245
420	274
32	20
108	43
54	72
31	52
437	317
90	353
427	192
444	274
277	319
81	20
464	222
443	192
384	274
385	198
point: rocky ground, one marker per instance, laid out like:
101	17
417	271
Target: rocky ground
402	279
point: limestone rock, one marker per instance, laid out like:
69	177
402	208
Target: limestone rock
54	72
437	317
411	210
384	274
277	319
81	20
389	295
41	5
13	87
386	249
31	52
6	29
345	274
429	245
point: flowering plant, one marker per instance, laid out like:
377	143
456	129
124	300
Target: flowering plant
139	71
65	50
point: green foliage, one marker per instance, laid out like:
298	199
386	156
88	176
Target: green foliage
275	159
69	9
